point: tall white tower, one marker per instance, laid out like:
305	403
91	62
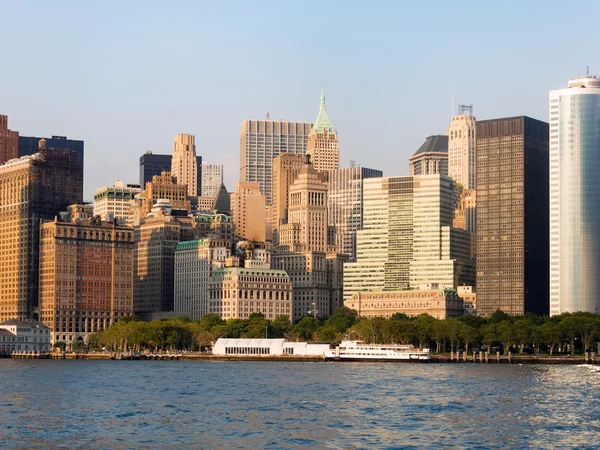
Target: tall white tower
461	147
575	197
184	165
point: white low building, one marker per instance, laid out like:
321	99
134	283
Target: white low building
24	336
267	347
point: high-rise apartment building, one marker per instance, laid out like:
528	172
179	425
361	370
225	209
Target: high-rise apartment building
575	197
512	216
323	147
151	164
212	178
431	158
461	147
407	239
345	205
248	211
114	202
185	165
263	140
286	168
156	238
86	277
306	229
194	264
32	188
9	141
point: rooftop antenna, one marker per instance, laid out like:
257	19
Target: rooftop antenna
268	115
465	110
587	71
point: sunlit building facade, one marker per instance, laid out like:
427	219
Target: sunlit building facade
575	197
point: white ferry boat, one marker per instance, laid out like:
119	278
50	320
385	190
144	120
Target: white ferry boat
359	351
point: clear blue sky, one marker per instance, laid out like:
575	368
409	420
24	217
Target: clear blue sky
127	76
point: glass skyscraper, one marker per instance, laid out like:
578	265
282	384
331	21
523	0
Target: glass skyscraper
575	197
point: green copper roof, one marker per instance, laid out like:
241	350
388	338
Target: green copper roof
323	123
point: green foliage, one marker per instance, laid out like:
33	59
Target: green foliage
575	332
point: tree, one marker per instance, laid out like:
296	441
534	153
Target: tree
422	328
570	328
552	334
61	345
342	319
523	331
306	327
439	332
281	326
328	333
506	335
590	330
209	321
467	334
499	316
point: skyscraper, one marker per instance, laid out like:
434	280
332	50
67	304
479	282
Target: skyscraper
461	147
512	216
407	239
32	188
575	197
322	145
9	141
212	177
114	202
431	158
86	277
263	140
306	229
151	164
345	205
286	168
185	165
248	211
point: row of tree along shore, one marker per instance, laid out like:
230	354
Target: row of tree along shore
564	334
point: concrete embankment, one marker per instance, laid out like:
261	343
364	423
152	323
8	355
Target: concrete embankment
459	357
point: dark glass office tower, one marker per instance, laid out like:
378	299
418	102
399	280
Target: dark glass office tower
512	216
28	145
151	164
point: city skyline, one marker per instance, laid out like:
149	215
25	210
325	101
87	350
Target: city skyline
365	87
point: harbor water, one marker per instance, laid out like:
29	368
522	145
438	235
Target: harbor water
47	404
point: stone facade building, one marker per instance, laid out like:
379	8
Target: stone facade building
432	300
24	336
323	147
248	209
156	238
86	277
114	202
32	188
237	292
462	165
431	158
9	141
194	264
286	168
186	167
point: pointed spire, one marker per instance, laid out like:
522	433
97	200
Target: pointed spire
322	122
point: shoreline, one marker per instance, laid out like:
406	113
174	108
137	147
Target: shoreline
436	359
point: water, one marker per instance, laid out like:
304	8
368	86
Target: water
177	404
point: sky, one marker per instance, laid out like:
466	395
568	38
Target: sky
126	77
